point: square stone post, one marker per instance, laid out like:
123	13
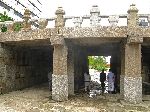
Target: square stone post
60	73
131	60
59	76
132	78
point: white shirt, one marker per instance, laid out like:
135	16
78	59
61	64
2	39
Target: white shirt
111	77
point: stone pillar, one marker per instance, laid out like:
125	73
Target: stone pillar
70	70
59	21
133	79
132	59
77	21
26	23
95	13
60	77
42	23
113	20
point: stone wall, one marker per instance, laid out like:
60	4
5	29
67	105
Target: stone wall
23	67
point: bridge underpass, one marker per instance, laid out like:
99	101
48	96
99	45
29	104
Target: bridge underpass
26	64
29	62
84	47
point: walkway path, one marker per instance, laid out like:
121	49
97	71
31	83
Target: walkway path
38	99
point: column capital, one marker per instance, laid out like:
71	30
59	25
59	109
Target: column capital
133	36
57	40
133	19
132	8
60	11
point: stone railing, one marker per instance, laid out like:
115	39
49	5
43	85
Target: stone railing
93	20
97	20
111	20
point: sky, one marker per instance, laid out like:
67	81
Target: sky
82	7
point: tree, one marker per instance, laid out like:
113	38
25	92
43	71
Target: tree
97	62
4	17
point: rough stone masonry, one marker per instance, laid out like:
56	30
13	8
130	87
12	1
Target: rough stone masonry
19	68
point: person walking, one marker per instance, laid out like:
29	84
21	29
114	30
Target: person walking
102	80
111	80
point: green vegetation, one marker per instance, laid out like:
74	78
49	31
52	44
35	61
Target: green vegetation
4	17
97	62
17	27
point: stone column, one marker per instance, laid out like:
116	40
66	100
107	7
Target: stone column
113	20
59	21
60	77
132	59
77	22
133	79
70	70
26	23
95	19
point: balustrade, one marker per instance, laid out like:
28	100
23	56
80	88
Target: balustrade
95	19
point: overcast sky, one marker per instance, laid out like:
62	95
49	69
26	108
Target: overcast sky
82	7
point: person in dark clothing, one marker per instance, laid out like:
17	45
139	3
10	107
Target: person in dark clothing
102	80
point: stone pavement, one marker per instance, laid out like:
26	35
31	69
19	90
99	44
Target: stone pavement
38	99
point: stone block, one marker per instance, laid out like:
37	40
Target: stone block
134	40
133	89
59	87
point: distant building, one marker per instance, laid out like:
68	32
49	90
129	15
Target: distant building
15	8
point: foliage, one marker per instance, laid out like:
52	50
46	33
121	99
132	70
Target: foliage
5	17
97	62
3	28
17	27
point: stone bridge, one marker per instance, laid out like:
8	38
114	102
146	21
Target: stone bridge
27	56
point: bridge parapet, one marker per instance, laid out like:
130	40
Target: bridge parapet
93	20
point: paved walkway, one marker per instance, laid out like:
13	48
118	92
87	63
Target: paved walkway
38	99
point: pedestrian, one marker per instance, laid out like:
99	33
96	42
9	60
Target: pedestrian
87	79
102	80
111	80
